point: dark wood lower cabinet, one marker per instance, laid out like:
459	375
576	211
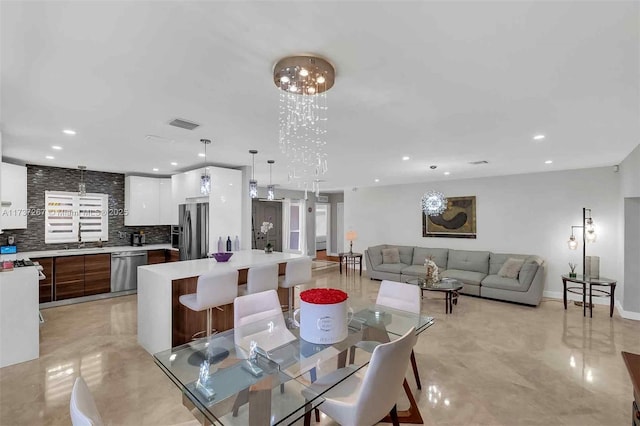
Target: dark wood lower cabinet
46	285
173	256
69	277
97	274
156	256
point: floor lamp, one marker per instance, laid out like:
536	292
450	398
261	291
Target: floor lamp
588	236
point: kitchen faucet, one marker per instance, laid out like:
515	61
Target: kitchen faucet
80	243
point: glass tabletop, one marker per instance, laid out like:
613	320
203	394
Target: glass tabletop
587	279
445	284
257	371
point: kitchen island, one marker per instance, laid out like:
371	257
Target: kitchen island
162	322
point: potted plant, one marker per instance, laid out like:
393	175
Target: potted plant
266	226
572	274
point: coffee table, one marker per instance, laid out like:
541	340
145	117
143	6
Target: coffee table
448	286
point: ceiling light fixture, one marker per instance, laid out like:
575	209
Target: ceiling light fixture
405	158
56	147
253	183
82	187
447	173
304	81
548	162
173	163
50	157
69	132
205	179
155	169
271	189
434	203
202	154
538	137
376	180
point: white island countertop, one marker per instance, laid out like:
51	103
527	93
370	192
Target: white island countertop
155	290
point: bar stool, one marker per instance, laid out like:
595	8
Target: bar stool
214	289
297	271
82	407
260	278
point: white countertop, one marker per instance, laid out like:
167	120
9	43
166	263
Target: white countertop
240	260
76	252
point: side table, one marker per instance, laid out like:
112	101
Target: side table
350	259
590	282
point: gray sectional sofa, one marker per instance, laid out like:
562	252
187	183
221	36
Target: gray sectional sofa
476	270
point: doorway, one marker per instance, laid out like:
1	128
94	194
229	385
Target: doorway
323	229
266	211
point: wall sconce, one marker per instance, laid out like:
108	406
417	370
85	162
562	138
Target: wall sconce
588	236
350	236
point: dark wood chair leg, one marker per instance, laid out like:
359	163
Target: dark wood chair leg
414	365
317	415
307	415
394	416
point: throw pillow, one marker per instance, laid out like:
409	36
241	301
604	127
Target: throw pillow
390	255
511	268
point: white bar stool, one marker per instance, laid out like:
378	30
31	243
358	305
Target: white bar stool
260	278
82	407
297	271
214	290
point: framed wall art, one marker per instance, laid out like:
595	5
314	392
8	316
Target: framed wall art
457	221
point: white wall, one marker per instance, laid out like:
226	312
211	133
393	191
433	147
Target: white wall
528	214
627	295
630	174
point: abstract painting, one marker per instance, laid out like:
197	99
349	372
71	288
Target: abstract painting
458	221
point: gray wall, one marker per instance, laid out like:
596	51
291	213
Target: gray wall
631	255
334	199
43	178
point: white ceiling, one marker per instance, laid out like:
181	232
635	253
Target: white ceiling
445	83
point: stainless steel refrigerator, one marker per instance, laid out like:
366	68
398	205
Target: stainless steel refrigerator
193	241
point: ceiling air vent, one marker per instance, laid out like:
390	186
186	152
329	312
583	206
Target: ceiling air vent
477	163
183	124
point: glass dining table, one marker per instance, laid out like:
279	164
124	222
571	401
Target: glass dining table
255	374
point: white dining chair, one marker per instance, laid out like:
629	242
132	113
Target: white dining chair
82	407
214	289
404	297
260	278
297	271
366	396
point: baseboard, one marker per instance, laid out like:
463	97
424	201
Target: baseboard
627	314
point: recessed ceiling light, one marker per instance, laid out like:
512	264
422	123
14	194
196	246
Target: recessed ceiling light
201	154
69	132
538	137
173	163
376	180
405	158
49	157
548	162
447	173
155	169
56	147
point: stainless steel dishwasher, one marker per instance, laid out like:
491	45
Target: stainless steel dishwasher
124	269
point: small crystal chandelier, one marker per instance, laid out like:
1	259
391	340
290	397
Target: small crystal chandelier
271	189
303	82
82	187
205	179
434	203
253	183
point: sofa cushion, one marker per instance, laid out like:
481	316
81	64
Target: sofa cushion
390	255
375	254
496	260
395	268
418	271
467	277
529	270
406	254
496	281
439	256
467	260
511	268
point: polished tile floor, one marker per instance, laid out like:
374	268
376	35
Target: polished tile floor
489	363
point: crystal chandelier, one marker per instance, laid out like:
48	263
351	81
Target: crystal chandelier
253	183
205	179
434	203
82	187
303	82
271	188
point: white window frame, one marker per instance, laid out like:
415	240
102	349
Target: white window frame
286	225
70	217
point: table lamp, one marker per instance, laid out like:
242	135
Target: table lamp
351	235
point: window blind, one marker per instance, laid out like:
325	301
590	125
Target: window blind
70	217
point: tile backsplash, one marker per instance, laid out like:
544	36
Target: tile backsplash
43	178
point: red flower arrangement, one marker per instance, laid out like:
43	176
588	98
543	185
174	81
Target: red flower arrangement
323	296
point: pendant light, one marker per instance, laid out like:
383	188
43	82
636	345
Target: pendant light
205	179
82	187
253	183
271	189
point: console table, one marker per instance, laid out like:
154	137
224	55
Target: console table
582	289
350	259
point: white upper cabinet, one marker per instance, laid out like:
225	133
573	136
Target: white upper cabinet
142	201
167	207
13	180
